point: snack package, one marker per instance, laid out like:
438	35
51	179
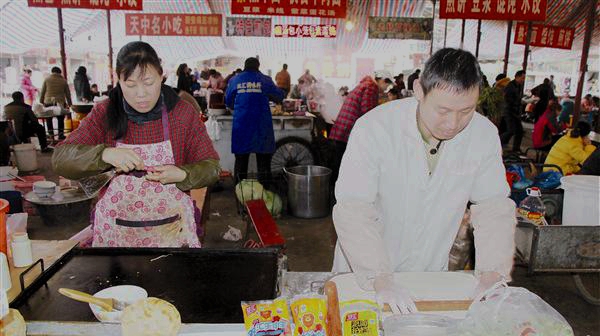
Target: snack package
309	312
360	318
267	318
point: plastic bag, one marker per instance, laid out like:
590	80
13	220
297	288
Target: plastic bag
513	311
523	181
548	180
213	128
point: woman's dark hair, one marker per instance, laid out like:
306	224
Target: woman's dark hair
181	69
581	130
81	70
450	69
132	55
212	72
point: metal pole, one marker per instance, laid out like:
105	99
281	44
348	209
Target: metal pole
110	48
478	39
527	41
589	27
462	35
432	28
445	32
507	48
61	34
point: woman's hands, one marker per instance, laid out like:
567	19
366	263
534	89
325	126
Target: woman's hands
166	174
123	159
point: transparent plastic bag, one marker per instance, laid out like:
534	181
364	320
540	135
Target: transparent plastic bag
505	310
213	128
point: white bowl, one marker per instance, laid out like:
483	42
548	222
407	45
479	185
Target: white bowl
44	189
126	293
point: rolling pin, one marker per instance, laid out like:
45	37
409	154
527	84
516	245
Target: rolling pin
437	305
333	321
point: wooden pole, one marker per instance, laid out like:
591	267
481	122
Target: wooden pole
478	39
61	34
527	41
110	48
432	28
507	48
445	32
462	34
587	39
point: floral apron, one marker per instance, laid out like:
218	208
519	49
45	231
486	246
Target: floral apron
135	212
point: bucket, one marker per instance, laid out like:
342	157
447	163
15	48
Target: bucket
582	200
26	157
308	191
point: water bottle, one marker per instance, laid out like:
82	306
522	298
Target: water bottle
532	207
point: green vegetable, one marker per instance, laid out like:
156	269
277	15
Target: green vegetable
251	189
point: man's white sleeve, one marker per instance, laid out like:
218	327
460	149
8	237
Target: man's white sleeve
493	216
356	220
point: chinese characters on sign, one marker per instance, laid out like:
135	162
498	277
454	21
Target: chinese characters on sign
305	31
524	10
237	26
174	24
545	36
90	4
400	28
318	8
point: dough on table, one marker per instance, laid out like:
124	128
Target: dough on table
150	317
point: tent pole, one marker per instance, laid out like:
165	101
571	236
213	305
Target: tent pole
61	34
445	32
589	27
527	41
507	48
432	28
110	48
478	39
462	35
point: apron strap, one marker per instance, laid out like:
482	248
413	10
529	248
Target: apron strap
139	224
165	123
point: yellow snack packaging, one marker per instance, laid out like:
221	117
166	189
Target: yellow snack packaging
309	314
360	318
267	318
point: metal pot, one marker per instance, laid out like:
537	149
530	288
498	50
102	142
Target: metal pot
308	191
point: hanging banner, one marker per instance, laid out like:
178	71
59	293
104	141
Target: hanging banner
89	4
545	36
523	10
160	24
318	8
400	28
238	26
327	31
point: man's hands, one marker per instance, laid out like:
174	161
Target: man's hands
397	297
486	281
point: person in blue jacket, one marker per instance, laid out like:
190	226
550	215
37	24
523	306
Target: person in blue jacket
248	94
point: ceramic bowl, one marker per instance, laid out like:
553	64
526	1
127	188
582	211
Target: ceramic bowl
44	189
125	293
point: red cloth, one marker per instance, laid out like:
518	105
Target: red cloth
358	102
544	129
188	135
28	89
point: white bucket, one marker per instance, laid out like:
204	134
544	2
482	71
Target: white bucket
582	200
26	157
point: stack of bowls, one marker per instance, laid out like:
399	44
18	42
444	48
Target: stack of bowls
44	189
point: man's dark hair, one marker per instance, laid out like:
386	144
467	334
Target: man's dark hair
284	66
252	64
581	130
56	70
519	73
94	86
500	76
18	97
388	81
418	71
451	69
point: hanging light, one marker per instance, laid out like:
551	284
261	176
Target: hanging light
349	25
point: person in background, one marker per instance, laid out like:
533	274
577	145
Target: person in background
399	81
343	91
308	78
109	88
512	112
501	82
411	168
231	75
547	129
29	91
567	104
216	80
572	149
591	166
82	85
183	78
160	148
485	84
297	92
552	85
55	91
393	94
411	79
248	95
593	115
282	78
94	91
25	121
357	103
545	93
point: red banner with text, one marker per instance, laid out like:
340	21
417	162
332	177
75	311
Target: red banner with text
545	36
518	10
89	4
174	24
318	8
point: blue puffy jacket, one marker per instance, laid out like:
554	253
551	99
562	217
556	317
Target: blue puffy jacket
248	95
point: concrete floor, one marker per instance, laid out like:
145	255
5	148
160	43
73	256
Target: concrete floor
310	246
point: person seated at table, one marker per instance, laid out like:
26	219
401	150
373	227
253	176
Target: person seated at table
25	121
591	166
546	131
572	149
159	148
82	85
94	90
567	104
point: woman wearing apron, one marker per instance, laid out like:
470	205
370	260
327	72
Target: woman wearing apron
158	147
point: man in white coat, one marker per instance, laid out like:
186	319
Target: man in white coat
410	169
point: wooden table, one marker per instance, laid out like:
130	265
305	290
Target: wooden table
48	250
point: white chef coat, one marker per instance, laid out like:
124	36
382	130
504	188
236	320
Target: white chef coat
391	215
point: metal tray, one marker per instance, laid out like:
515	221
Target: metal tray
206	285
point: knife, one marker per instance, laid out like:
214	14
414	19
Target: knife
93	184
